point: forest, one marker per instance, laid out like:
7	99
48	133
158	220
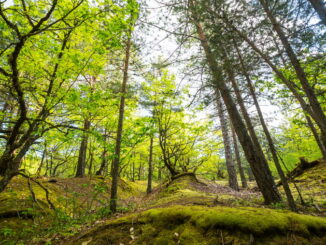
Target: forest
162	122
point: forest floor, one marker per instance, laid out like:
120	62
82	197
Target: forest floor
186	210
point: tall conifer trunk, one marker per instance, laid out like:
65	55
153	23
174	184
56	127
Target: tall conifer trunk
150	166
233	182
238	160
268	136
259	166
316	136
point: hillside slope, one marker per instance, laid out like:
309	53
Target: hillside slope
185	210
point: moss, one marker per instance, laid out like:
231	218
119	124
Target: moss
204	225
140	186
183	189
191	235
80	198
184	196
312	185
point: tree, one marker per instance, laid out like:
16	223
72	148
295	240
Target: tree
268	136
150	166
317	110
24	27
233	182
115	164
57	39
238	160
258	164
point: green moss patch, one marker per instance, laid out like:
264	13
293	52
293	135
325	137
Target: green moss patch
207	225
187	189
75	199
312	184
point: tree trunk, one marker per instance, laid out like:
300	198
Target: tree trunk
38	172
14	162
316	135
259	166
104	164
320	8
233	182
116	159
258	148
250	174
238	160
51	165
46	167
164	149
140	167
159	174
10	172
269	138
301	75
91	160
133	167
150	166
82	150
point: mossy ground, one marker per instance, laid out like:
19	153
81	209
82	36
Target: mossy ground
76	200
189	190
312	184
208	225
186	210
191	211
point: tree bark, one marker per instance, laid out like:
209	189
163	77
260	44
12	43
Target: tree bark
103	170
316	136
104	163
259	166
91	160
133	167
81	164
233	182
116	160
320	8
150	166
238	160
140	167
13	163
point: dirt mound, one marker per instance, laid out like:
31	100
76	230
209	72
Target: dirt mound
188	189
303	166
310	180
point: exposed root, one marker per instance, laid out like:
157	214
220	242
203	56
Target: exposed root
40	185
